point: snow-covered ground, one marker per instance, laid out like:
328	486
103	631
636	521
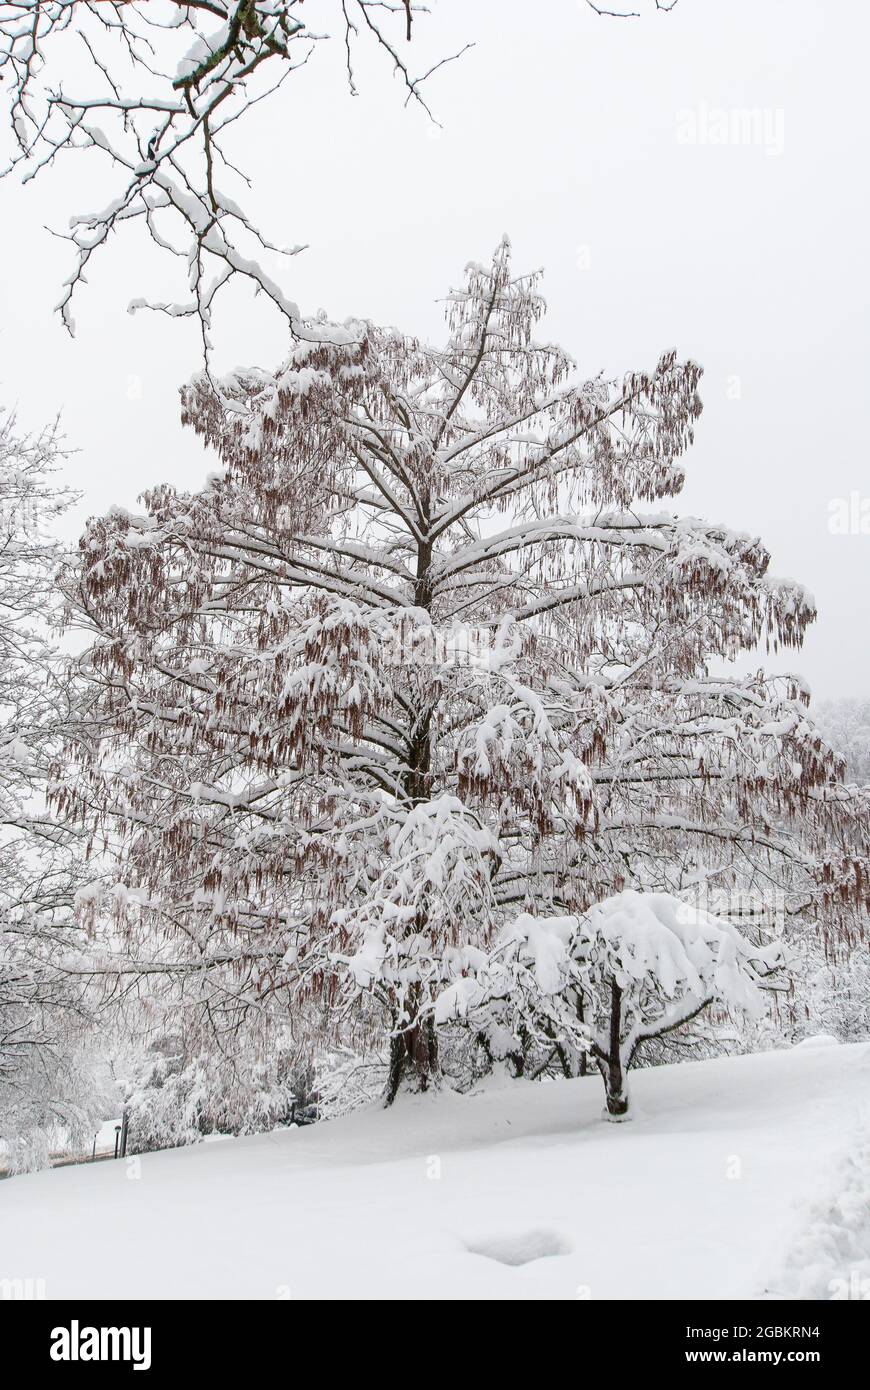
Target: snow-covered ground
742	1177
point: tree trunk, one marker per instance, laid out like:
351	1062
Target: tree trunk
581	1016
615	1089
414	1064
616	1095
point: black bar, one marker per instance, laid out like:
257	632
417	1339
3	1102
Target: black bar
650	1338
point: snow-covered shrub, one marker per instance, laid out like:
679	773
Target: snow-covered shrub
179	1098
348	1081
523	1002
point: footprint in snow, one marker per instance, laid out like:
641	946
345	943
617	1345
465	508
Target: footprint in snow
522	1248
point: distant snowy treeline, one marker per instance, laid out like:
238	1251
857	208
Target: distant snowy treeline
845	723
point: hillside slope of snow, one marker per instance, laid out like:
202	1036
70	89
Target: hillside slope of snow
740	1177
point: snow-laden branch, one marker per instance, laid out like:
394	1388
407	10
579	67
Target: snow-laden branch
155	92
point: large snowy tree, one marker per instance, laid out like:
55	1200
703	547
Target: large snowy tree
428	650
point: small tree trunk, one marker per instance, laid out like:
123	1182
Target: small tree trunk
615	1089
616	1095
581	1016
413	1060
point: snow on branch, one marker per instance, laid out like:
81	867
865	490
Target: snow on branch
155	91
663	6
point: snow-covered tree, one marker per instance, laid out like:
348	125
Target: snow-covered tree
51	1097
632	969
156	93
31	690
426	651
46	1087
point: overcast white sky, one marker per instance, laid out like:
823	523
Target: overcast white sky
568	132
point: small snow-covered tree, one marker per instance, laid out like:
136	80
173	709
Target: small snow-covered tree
651	964
633	968
426	651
